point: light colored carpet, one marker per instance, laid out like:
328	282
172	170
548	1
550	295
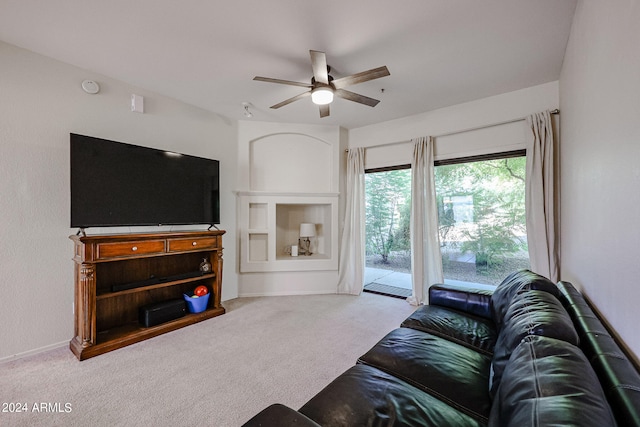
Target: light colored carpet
219	372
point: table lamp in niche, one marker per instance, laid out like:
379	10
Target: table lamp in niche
307	231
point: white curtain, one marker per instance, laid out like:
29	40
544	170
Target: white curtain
540	196
426	261
352	244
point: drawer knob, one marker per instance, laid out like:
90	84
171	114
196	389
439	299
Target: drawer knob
135	248
194	243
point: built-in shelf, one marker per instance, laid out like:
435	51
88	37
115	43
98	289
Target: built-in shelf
271	225
258	215
302	258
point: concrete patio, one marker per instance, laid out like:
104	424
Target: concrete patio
393	283
387	282
387	277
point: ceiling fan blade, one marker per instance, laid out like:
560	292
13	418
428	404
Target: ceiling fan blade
319	65
364	76
290	100
282	82
355	97
324	110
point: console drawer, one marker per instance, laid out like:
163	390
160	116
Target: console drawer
132	249
183	245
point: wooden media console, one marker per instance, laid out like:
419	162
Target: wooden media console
117	274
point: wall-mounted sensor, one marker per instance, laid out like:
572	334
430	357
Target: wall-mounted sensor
90	86
137	103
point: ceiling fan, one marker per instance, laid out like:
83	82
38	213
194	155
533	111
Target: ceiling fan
323	86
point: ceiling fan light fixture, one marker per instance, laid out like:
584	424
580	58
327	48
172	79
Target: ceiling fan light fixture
322	96
323	86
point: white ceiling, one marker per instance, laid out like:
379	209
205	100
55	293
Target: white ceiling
206	52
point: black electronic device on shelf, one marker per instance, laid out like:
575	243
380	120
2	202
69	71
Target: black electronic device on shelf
165	311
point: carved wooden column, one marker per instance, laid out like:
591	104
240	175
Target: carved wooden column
85	305
218	290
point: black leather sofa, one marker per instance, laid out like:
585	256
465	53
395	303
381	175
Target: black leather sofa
527	353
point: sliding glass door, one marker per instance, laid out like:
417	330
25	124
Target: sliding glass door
388	244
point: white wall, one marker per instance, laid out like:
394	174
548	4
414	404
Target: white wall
600	160
41	102
487	111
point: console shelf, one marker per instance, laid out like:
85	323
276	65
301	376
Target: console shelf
144	269
160	284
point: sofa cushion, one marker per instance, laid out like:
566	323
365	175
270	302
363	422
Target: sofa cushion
366	396
504	293
549	382
471	331
530	313
438	366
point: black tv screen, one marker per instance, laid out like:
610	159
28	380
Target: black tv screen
117	184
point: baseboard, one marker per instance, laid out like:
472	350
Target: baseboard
284	293
33	352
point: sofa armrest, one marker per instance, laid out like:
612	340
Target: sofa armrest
474	299
278	415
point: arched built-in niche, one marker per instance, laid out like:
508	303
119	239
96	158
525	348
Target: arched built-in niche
290	162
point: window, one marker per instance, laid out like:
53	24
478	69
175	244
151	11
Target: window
481	219
481	215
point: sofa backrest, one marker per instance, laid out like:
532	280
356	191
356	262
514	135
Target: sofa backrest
516	281
530	313
618	375
549	382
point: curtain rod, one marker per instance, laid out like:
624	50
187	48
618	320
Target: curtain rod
506	122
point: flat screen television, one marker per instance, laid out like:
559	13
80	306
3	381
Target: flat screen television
118	184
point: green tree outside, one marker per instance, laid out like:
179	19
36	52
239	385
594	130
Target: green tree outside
497	227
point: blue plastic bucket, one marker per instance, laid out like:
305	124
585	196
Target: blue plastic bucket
197	304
